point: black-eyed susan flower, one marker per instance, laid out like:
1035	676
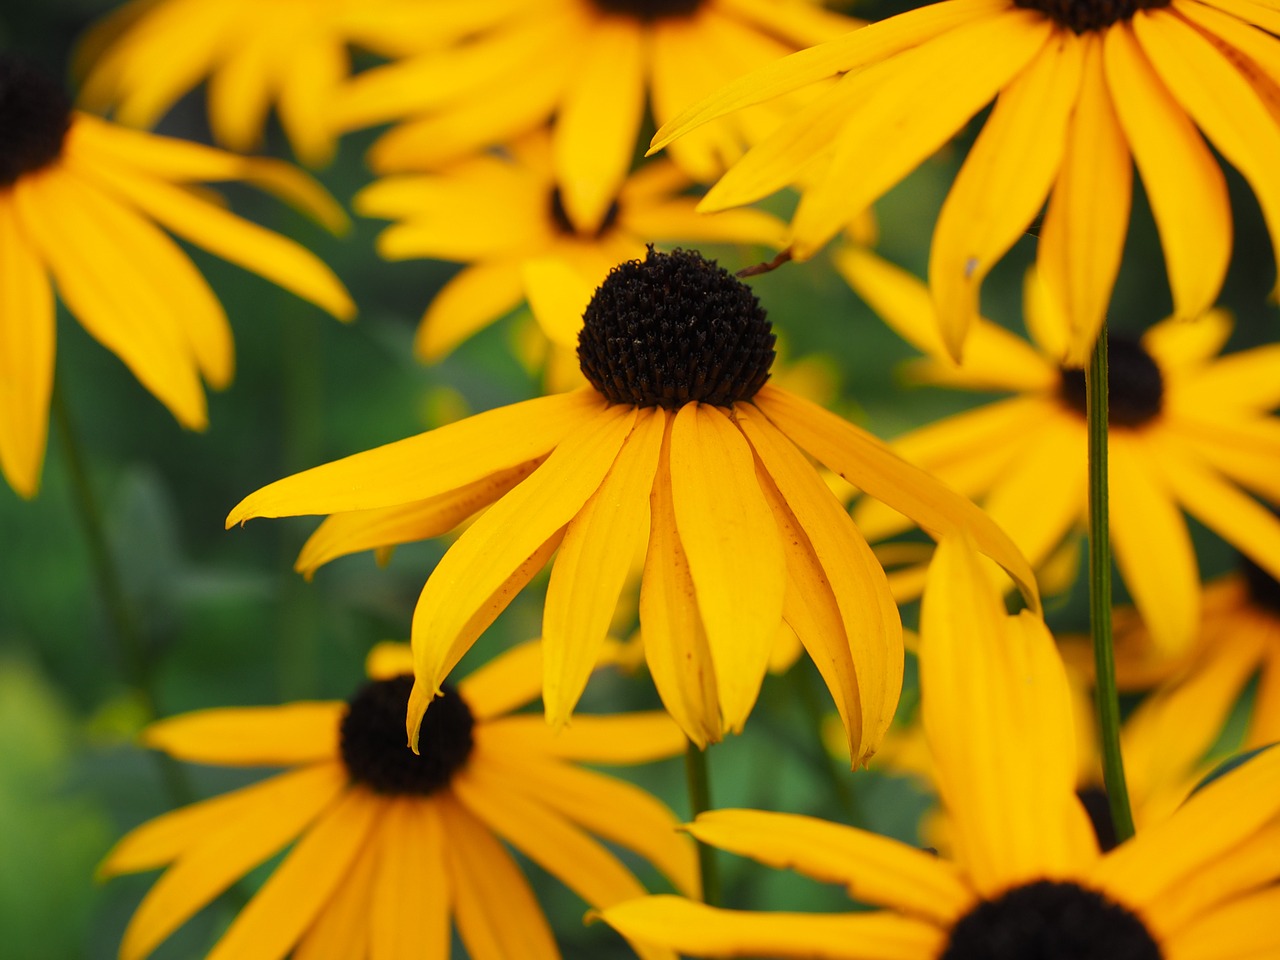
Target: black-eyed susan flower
254	54
536	254
80	201
681	451
1188	430
1027	879
391	848
593	64
1083	89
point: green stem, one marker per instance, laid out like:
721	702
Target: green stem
1100	592
695	769
133	651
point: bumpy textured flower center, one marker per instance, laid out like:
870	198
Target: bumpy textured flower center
649	9
375	749
1135	388
34	117
1264	590
672	329
1083	15
560	216
1048	920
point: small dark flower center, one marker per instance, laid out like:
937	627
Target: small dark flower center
34	117
1098	807
376	750
560	216
1083	15
1264	590
1048	920
672	329
649	9
1135	387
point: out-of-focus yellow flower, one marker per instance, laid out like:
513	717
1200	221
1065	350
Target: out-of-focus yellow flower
1188	430
82	202
1083	89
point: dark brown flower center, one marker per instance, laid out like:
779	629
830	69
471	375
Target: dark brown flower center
34	117
1135	387
1083	15
1263	588
560	216
1048	920
649	9
375	748
672	329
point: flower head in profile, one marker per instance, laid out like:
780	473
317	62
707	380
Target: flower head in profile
594	65
1027	880
538	254
1083	90
679	451
80	200
391	848
1188	430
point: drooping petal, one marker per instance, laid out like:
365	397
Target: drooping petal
409	905
734	551
1003	182
596	556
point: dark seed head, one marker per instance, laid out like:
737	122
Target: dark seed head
649	9
1135	387
34	117
376	750
673	329
1083	15
1264	590
1049	920
1098	807
560	216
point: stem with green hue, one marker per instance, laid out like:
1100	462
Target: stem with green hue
695	769
1100	591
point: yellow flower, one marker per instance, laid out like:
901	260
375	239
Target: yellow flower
143	57
503	216
593	64
1083	89
1028	880
678	443
79	204
389	845
1188	430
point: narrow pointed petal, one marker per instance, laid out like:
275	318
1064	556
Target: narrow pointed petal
288	735
735	553
872	467
457	454
1187	190
27	345
491	561
478	296
596	556
409	902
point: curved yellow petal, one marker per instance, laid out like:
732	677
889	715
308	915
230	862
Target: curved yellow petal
1244	927
1003	182
596	556
288	735
341	931
409	908
734	550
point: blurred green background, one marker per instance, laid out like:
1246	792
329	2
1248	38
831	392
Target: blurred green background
226	622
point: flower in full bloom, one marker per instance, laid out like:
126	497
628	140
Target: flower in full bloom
537	254
594	65
388	846
1027	879
677	449
1083	90
1188	429
80	200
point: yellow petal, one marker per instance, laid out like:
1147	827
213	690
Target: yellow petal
1190	347
1186	188
388	659
874	869
1082	238
409	902
27	336
505	683
491	561
869	465
629	738
702	931
428	465
1245	928
307	89
998	718
595	559
1003	182
239	91
1244	380
341	930
558	295
288	735
734	551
